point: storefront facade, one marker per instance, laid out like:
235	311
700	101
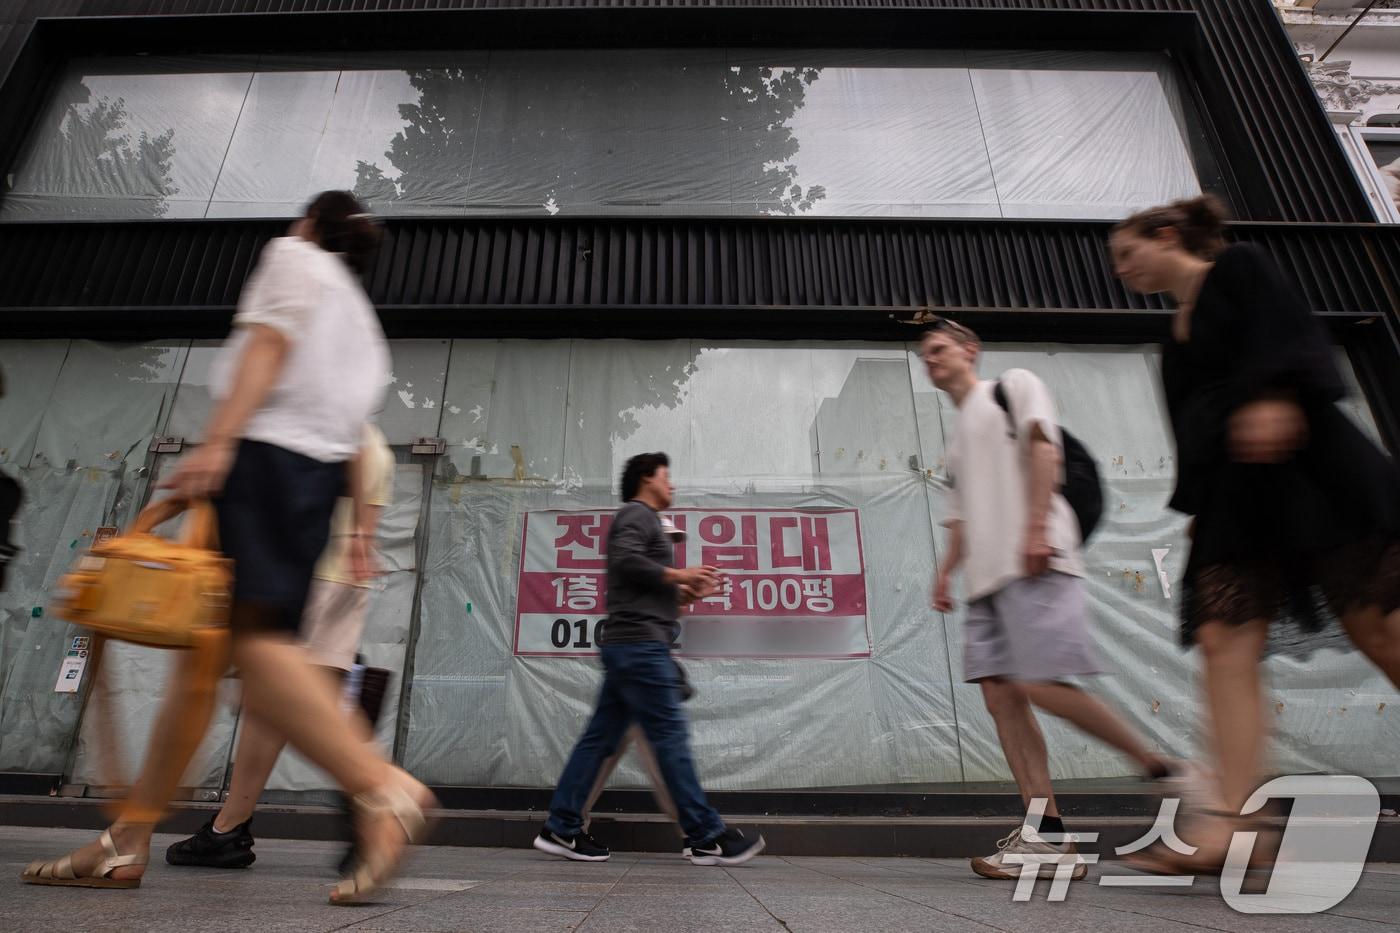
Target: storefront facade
702	228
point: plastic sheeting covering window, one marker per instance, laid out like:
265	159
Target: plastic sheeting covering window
36	724
412	401
728	132
535	425
30	370
549	426
109	401
130	138
193	402
98	412
1082	134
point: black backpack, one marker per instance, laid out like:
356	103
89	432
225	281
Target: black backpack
1083	489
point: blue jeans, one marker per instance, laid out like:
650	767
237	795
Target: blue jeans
640	684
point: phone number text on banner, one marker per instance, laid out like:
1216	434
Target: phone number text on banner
794	583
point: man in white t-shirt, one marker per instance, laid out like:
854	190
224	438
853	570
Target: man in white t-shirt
1016	541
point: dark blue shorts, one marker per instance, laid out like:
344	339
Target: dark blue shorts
274	522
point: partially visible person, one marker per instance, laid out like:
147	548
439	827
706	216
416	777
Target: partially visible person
332	627
1391	174
635	738
1016	541
300	376
1295	514
641	682
11	497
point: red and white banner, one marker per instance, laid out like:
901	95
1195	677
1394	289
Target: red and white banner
794	584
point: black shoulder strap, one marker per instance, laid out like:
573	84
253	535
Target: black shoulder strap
11	495
999	393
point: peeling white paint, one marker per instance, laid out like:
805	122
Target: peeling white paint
568	480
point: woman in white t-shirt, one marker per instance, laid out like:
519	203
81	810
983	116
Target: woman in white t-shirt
300	375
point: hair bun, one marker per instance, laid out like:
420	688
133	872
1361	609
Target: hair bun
1199	222
1202	224
1206	213
345	227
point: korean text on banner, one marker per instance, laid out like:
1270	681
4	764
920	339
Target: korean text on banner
794	584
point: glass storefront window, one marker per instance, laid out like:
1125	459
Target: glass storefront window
103	404
1056	123
128	138
752	427
725	132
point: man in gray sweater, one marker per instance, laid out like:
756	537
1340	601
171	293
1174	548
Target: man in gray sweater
641	682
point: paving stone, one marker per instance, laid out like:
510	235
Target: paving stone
459	890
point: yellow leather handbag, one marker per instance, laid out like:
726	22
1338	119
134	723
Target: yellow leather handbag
149	590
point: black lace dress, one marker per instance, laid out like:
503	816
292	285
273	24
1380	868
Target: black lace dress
1301	542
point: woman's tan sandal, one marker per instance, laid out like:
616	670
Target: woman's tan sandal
1208	859
61	873
374	871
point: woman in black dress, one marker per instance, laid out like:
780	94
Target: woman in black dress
1295	532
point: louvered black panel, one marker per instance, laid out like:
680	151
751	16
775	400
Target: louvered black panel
448	269
1283	157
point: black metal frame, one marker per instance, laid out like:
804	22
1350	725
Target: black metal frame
1234	54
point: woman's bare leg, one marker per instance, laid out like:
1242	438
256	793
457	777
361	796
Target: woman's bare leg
258	747
259	744
1376	635
1093	716
179	728
1235	704
283	688
286	691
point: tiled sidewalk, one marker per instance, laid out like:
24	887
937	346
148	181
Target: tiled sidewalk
507	890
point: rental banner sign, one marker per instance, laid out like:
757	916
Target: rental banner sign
794	583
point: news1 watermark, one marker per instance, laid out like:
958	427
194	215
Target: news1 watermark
1318	862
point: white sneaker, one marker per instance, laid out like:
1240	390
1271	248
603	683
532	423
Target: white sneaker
1025	843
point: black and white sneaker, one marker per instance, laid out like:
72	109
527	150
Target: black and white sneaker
210	849
728	848
580	847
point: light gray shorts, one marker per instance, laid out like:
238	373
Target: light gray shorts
1032	629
